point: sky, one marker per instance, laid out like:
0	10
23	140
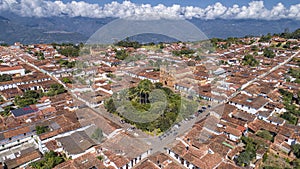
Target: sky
155	9
199	3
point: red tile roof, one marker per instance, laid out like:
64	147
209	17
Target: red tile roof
4	69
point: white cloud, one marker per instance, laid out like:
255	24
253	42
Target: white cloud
44	8
294	11
279	11
215	11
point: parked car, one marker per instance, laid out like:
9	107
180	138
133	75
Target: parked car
176	126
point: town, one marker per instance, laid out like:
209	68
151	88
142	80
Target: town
221	103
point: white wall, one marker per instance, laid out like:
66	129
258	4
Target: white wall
13	72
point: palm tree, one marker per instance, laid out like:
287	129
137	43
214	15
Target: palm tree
143	90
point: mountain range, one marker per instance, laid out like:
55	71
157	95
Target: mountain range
30	30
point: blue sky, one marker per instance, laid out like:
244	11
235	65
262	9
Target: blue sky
199	3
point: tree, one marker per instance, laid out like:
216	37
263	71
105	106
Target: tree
6	111
250	60
32	94
4	44
265	134
291	35
128	43
41	129
66	80
254	48
5	77
278	44
268	53
111	75
56	89
183	51
110	106
289	117
39	55
121	54
244	159
49	161
101	158
65	63
295	73
30	97
69	51
296	150
250	151
265	38
162	112
265	157
296	163
143	90
161	45
287	45
158	85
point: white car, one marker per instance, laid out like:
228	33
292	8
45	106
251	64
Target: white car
176	126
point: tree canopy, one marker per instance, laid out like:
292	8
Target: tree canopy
66	80
157	106
41	129
65	63
291	35
69	50
121	54
128	43
50	160
265	134
5	77
269	53
265	38
296	150
56	89
29	97
249	153
292	113
183	51
250	60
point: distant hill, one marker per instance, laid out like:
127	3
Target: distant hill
14	32
77	29
221	28
150	37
